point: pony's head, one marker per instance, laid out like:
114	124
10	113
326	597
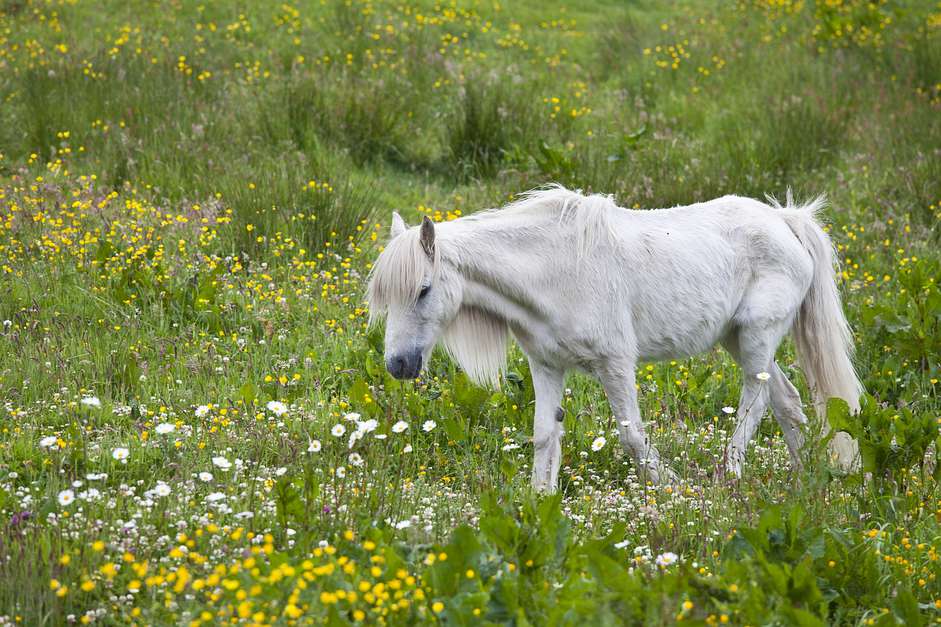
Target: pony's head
418	295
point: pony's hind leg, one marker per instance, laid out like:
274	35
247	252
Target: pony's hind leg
786	405
753	347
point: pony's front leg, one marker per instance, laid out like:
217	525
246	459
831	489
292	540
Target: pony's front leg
619	386
547	427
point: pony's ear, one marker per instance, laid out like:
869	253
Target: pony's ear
428	236
398	224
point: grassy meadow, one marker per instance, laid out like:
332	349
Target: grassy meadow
197	427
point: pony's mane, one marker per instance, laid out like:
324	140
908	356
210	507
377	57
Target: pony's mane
397	276
587	215
476	340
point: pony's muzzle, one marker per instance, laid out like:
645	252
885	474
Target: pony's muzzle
405	366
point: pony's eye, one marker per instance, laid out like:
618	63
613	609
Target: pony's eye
424	292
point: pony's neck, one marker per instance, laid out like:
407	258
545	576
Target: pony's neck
503	262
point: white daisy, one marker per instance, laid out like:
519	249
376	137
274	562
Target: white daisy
121	454
429	425
221	462
277	408
399	427
202	411
164	428
91	401
49	441
338	430
368	426
598	443
314	446
66	497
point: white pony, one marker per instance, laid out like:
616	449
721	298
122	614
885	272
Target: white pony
582	283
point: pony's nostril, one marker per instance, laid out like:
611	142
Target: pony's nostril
413	365
396	366
405	366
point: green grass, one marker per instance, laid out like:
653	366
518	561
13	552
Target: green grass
191	199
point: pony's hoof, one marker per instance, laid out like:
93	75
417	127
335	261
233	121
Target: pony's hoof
658	476
844	452
543	488
668	477
728	471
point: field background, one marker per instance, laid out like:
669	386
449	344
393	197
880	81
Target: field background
191	196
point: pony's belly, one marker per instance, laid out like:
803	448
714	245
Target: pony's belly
671	348
681	336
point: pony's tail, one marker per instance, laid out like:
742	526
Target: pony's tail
822	335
